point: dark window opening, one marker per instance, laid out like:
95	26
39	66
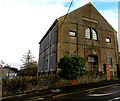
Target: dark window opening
110	61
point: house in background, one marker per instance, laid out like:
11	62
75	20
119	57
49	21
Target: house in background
9	72
83	32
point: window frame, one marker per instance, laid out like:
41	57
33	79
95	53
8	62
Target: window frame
91	33
91	59
94	34
88	34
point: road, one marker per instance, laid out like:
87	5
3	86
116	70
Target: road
106	93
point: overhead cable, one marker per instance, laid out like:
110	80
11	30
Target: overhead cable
66	14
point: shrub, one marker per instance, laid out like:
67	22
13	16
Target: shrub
71	67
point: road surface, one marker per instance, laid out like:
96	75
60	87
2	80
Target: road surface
106	93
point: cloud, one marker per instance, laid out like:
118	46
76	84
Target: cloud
22	26
111	16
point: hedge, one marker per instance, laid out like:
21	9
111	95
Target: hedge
31	84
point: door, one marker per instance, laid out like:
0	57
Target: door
93	62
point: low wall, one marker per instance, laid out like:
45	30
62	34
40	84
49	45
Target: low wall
33	84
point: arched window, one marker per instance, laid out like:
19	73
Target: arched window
87	33
90	33
94	35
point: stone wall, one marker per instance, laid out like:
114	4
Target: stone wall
33	84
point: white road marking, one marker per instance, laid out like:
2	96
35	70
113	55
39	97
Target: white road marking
117	98
100	94
103	94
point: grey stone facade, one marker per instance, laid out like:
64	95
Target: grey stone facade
85	33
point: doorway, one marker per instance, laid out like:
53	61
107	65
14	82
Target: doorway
93	62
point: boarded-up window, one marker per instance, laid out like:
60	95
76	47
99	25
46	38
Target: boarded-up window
41	64
46	52
44	66
52	38
53	48
42	55
46	63
110	61
52	60
42	47
46	42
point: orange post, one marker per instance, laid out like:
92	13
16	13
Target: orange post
107	72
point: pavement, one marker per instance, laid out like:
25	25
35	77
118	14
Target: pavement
57	91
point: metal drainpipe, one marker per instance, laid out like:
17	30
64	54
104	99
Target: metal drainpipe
77	38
